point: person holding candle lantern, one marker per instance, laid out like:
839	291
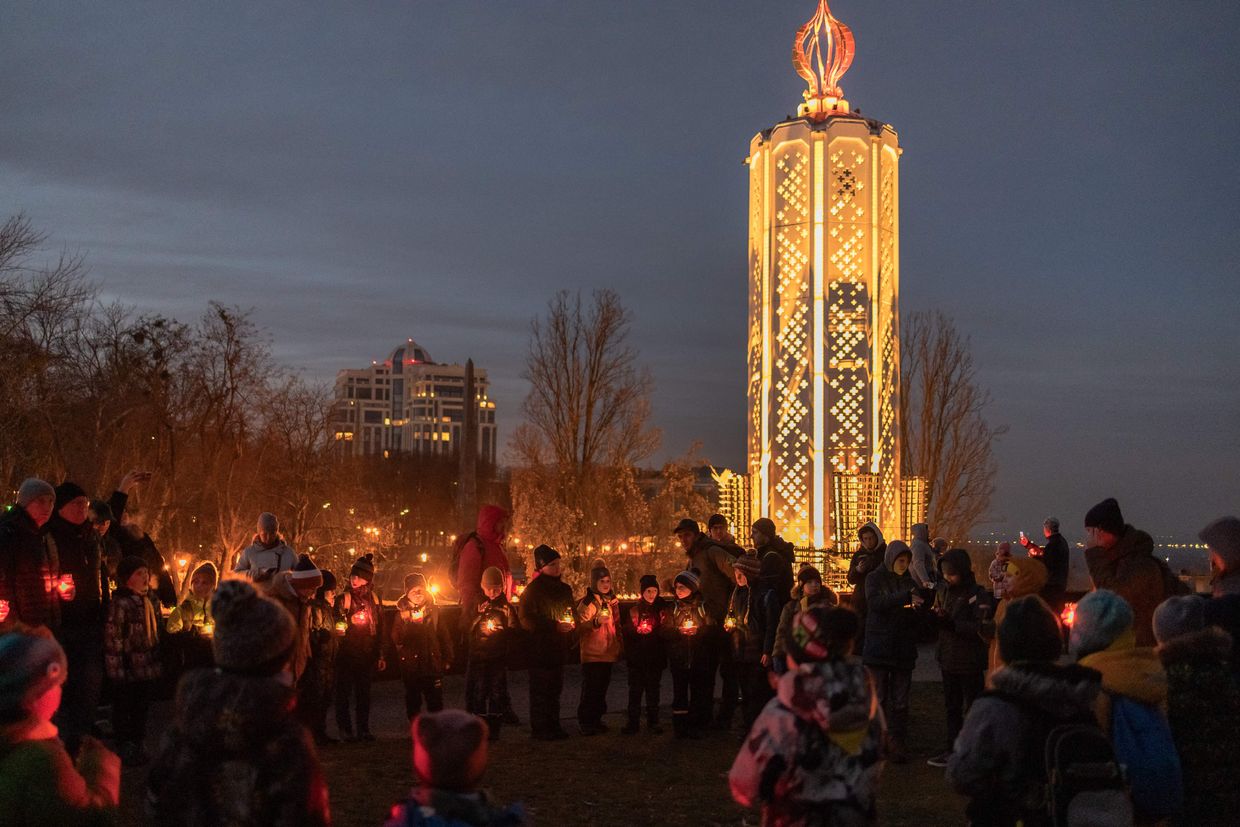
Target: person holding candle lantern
546	613
688	633
131	642
191	618
486	675
425	646
360	649
744	636
598	618
645	652
318	684
895	614
28	572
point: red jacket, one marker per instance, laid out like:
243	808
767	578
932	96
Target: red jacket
475	560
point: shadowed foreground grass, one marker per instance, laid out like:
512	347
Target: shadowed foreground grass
609	779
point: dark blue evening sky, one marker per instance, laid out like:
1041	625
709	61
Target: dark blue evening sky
362	172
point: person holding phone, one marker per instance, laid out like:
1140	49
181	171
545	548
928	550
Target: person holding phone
1054	555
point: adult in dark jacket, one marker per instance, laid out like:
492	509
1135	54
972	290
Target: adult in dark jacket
645	651
29	574
77	548
714	566
964	615
717	528
765	539
991	760
1121	559
895	611
1222	538
235	753
868	557
1203	709
1055	556
546	614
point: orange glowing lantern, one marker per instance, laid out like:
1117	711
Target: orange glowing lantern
567	617
688	627
644	626
342	626
360	618
729	622
1068	615
604	613
490	625
416	615
4	610
208	629
65	587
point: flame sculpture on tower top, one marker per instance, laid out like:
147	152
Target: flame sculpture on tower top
821	53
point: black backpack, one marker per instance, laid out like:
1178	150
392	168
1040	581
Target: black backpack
454	563
1076	779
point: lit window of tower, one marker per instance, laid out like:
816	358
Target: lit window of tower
824	278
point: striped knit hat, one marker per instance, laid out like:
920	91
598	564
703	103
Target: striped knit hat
689	577
305	574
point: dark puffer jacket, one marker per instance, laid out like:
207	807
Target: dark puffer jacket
892	625
236	755
79	553
966	621
422	638
546	602
686	651
1203	708
490	630
644	642
27	572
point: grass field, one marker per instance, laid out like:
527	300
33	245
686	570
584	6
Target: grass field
609	779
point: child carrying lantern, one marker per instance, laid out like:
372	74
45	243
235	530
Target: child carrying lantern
425	646
646	653
688	638
486	676
359	652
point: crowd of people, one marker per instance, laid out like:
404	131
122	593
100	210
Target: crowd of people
1121	708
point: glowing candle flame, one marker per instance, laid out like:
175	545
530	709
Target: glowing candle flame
360	618
490	625
644	627
208	630
65	586
342	626
1068	615
4	610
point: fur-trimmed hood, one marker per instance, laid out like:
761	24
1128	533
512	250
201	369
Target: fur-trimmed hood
1059	691
1209	644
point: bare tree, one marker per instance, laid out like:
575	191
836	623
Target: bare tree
947	439
587	422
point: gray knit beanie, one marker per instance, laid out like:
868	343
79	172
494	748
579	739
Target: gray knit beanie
31	489
253	634
1177	616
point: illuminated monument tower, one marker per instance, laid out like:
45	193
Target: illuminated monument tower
824	331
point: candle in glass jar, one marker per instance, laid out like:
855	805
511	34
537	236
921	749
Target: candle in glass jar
567	617
65	586
342	626
208	630
644	627
4	610
729	622
490	625
688	626
360	618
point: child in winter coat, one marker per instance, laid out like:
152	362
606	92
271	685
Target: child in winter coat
895	612
1203	708
449	758
424	642
808	592
1025	576
998	572
687	630
486	676
235	752
598	619
131	642
646	654
963	614
814	755
991	760
39	783
190	620
546	613
318	684
360	651
744	633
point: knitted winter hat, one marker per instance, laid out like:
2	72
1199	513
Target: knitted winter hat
1177	616
597	572
417	578
808	573
1101	617
305	574
748	565
31	489
127	566
492	576
364	568
717	519
765	526
1106	516
67	492
687	525
268	522
449	749
821	632
543	555
648	581
957	561
329	584
1223	538
254	635
689	578
30	664
103	511
1029	632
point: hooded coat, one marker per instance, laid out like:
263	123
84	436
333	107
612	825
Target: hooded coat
862	564
924	565
799	603
1203	709
236	755
479	553
1130	569
965	624
491	644
1026	576
687	651
892	626
280	589
191	614
813	756
995	751
131	638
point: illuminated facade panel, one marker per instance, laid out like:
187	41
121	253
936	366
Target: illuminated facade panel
734	502
824	340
